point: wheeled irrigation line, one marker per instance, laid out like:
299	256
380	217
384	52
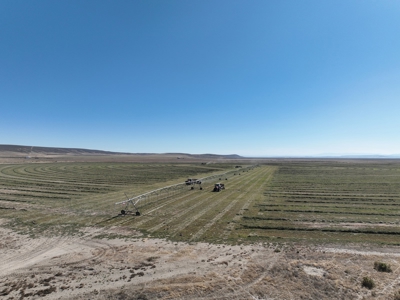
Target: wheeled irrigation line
135	200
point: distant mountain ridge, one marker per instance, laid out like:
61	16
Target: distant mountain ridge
34	150
366	156
208	155
52	150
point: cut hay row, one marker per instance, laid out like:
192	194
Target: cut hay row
249	200
175	205
172	189
249	194
178	215
304	200
283	201
210	222
48	194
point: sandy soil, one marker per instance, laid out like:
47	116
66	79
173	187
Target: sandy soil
86	267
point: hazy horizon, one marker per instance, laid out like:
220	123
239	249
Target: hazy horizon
253	78
33	150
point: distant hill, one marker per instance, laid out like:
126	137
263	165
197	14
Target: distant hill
208	156
36	150
360	156
52	150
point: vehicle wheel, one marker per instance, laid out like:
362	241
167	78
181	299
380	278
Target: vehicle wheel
123	212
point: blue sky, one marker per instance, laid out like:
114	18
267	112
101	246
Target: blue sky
255	78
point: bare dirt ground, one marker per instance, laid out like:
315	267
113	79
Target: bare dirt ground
86	267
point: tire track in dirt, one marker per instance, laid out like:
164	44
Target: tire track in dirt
99	250
209	207
237	286
70	253
224	211
40	250
268	264
245	290
36	251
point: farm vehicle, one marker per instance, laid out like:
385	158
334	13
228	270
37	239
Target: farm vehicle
192	181
218	187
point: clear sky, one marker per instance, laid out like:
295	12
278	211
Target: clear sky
255	78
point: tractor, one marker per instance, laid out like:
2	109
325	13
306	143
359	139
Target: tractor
191	181
218	187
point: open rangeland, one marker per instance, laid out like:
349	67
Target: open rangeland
281	229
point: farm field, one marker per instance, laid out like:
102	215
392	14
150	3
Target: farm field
67	196
329	202
316	226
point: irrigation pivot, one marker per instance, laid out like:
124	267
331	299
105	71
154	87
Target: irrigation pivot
135	200
130	201
164	192
192	181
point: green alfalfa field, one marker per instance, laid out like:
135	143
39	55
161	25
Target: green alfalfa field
322	229
294	201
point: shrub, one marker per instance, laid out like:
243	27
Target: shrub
382	267
397	295
368	283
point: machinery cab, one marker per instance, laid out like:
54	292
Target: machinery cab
218	187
